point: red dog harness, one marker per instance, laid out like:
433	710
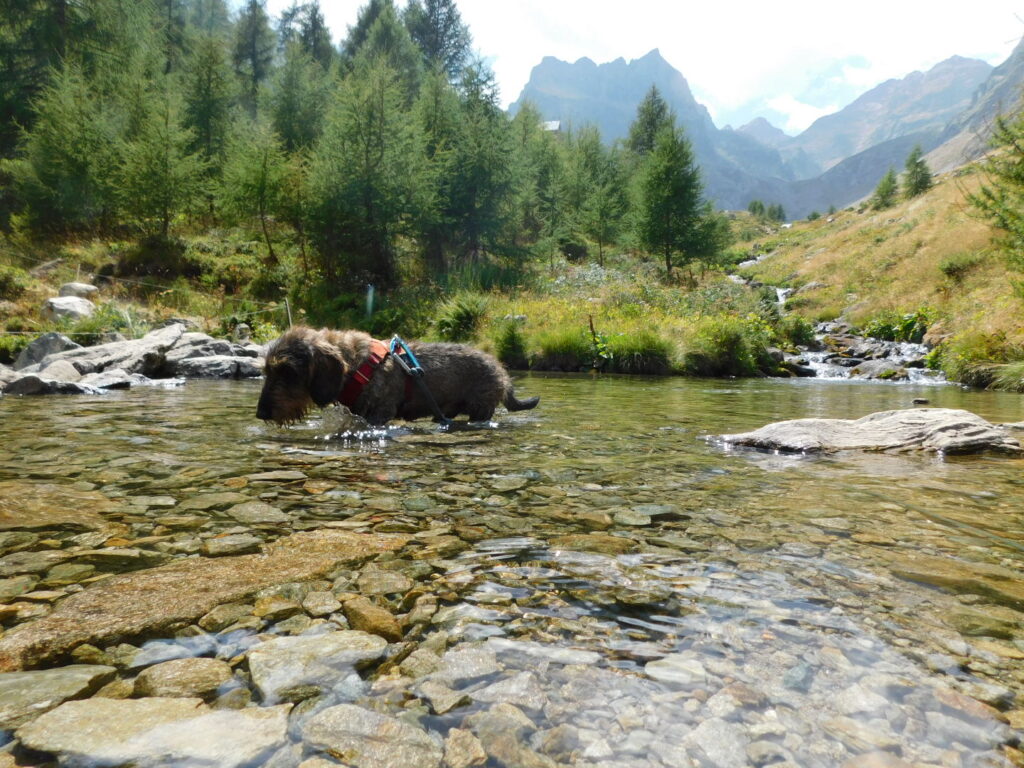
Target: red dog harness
357	382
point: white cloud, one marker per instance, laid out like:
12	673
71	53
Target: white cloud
799	115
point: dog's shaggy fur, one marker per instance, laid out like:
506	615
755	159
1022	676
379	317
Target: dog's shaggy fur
306	367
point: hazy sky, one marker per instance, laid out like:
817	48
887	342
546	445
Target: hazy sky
789	60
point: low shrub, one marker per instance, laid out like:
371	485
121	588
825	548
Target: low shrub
892	326
795	330
1009	376
155	256
974	358
12	282
641	352
461	316
11	346
725	345
510	345
564	349
108	318
957	267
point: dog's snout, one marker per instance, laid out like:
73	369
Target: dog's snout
263	410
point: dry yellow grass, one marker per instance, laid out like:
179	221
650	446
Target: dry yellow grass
859	263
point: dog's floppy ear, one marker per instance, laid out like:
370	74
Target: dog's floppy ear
326	372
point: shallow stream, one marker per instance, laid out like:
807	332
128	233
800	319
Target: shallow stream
612	588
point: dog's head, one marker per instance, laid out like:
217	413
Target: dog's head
302	369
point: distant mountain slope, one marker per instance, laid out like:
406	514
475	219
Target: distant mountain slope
607	95
836	161
966	136
921	102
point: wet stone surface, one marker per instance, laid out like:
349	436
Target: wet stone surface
587	584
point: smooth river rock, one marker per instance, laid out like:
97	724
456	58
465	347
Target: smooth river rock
319	660
159	600
26	695
183	678
145	355
935	430
365	739
157	732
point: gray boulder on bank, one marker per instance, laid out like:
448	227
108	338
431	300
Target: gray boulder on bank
41	348
67	308
53	364
936	430
81	290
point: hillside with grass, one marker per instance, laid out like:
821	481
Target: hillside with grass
928	262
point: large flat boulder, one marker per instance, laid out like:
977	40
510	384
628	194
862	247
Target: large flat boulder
145	355
158	600
157	732
934	430
40	348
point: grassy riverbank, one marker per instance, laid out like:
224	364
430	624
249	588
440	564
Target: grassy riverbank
924	267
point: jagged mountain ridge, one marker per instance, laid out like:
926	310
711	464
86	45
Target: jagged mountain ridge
853	147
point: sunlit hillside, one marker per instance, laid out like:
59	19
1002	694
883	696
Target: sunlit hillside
931	253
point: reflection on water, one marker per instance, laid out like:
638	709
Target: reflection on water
638	596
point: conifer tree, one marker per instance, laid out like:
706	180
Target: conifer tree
885	192
208	95
918	177
253	51
436	115
652	115
671	200
159	176
1001	197
358	178
254	177
298	98
65	174
437	28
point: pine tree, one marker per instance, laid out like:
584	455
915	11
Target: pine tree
756	209
437	28
436	115
159	177
671	202
304	25
254	177
1001	197
918	177
885	192
358	178
298	98
387	40
253	51
481	179
652	116
208	95
606	207
65	174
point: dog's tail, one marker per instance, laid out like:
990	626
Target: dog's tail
514	404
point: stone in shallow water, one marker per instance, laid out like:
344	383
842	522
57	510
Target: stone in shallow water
364	615
366	739
183	678
212	501
937	430
156	733
677	668
28	505
522	690
527	653
324	660
255	512
233	544
378	581
463	750
722	742
464	665
26	695
155	600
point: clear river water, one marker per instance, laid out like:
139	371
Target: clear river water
612	587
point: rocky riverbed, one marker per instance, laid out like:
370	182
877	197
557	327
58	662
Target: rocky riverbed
588	584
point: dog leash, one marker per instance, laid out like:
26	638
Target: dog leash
408	363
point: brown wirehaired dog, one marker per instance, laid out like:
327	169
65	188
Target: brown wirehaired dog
306	367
